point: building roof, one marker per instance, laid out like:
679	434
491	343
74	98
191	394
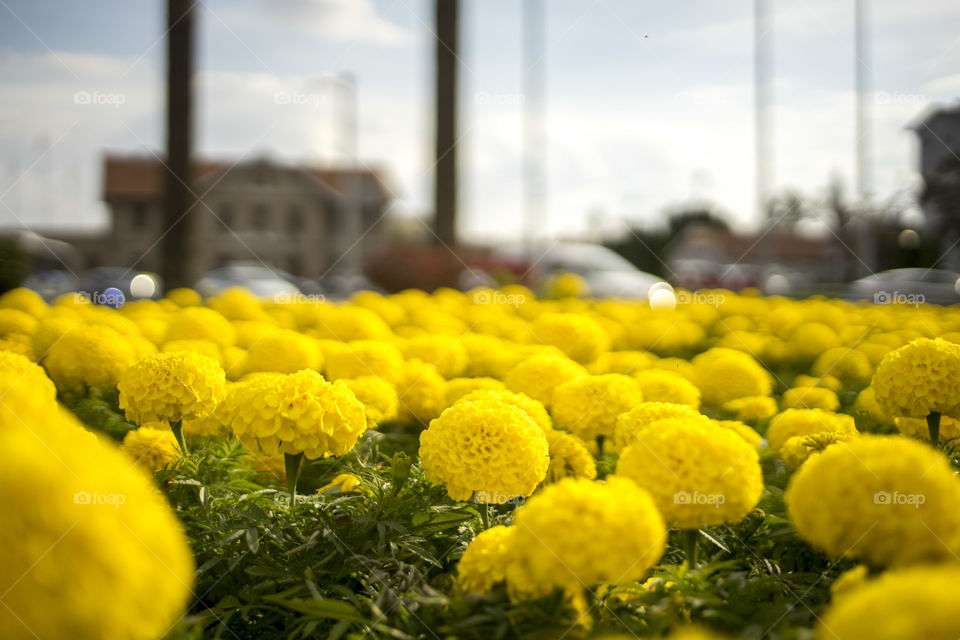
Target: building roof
933	112
142	176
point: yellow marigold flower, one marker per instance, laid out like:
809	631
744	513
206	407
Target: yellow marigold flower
826	381
484	564
90	356
846	364
578	336
589	406
917	428
917	602
234	360
489	356
444	352
51	328
565	284
631	423
391	312
250	331
875	352
18	343
488	447
919	378
867	401
16	370
811	339
283	351
237	303
534	409
24	300
885	500
751	408
849	581
625	362
748	434
350	322
184	297
459	387
580	532
798	449
200	323
151	447
698	473
345	482
294	413
364	358
658	385
803	422
538	376
725	374
181	385
379	398
810	398
569	457
421	393
210	426
676	365
203	347
91	553
16	321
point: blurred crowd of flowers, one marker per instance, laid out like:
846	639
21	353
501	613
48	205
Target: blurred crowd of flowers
479	464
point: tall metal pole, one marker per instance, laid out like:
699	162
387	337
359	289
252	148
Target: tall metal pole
534	120
445	171
353	220
863	116
761	81
178	246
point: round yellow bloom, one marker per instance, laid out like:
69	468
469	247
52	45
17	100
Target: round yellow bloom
625	362
746	433
844	363
24	300
658	385
723	375
919	378
200	323
421	393
751	408
826	381
810	398
95	552
580	532
349	323
631	423
89	355
849	581
484	564
917	428
446	353
181	385
698	473
18	343
535	410
283	351
538	376
578	336
20	371
798	449
803	422
489	355
867	401
361	358
589	406
488	447
237	303
569	457
184	297
885	500
151	447
15	321
565	284
459	387
811	339
379	398
910	603
294	413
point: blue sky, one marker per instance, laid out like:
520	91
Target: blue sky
648	103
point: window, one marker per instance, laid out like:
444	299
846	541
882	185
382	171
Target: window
138	219
261	218
294	219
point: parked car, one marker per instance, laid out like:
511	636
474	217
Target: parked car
908	286
262	281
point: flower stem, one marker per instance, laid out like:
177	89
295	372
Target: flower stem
292	462
933	424
485	515
690	538
177	428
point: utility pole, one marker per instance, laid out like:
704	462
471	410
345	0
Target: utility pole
534	121
445	171
863	117
178	245
761	109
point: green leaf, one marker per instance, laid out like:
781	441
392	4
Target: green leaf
253	539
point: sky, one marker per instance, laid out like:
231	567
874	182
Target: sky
648	104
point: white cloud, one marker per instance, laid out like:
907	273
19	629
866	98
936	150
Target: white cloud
354	20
